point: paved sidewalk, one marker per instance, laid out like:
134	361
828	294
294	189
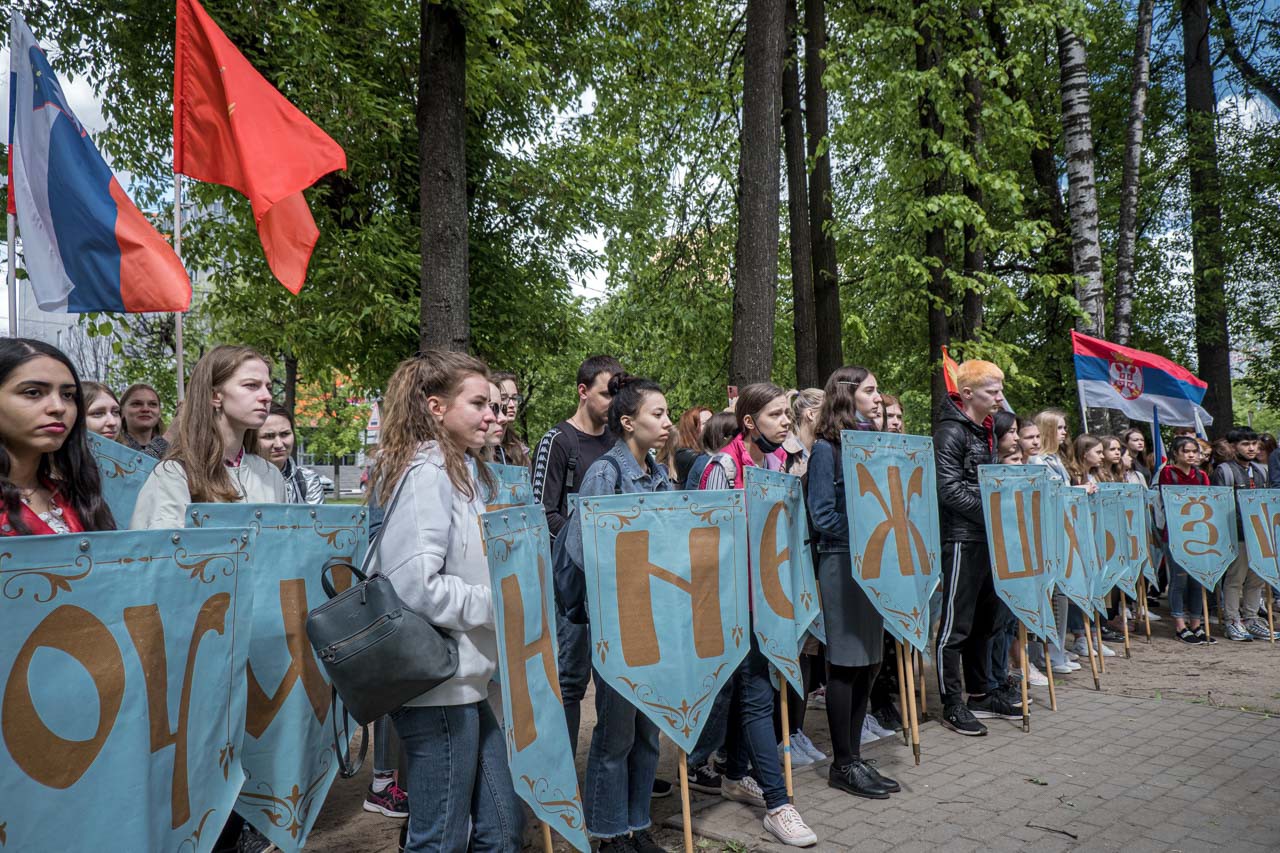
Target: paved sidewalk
1104	772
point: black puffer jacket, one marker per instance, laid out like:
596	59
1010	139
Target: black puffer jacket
959	447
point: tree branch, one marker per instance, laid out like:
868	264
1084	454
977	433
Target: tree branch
1268	88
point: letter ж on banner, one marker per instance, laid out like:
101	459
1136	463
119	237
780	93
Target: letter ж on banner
288	755
1260	511
1020	520
1078	555
122	660
666	577
891	496
123	471
784	589
518	547
1201	522
1128	539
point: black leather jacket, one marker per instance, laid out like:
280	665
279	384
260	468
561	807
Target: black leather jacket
959	447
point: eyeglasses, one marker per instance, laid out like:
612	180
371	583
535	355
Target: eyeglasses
496	408
513	398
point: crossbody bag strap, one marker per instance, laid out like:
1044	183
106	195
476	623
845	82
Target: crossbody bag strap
395	497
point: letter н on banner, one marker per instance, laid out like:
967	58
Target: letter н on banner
123	471
666	578
288	753
122	661
1260	512
784	589
1020	520
539	757
891	496
1201	521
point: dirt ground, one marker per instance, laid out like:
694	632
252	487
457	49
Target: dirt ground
1244	676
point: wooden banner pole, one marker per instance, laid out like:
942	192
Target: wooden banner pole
1093	661
1048	673
1102	659
1204	603
682	759
786	736
1124	619
1271	617
1146	607
546	838
905	652
924	704
902	697
1026	706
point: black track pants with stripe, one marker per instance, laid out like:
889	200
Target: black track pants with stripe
969	609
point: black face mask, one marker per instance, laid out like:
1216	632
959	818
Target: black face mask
766	446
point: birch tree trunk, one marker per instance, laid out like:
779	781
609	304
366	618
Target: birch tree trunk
1130	176
801	241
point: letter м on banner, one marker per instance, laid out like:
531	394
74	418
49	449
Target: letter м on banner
533	721
891	497
1260	512
288	755
123	471
783	584
666	578
1019	521
1201	522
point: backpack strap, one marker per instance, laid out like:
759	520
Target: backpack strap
571	466
617	471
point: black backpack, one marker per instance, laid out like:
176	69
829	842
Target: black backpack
569	580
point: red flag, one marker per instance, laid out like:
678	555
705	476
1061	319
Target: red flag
949	368
232	127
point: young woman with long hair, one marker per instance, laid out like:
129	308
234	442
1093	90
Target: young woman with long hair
804	423
436	416
102	410
1182	469
142	421
496	438
277	441
688	441
213	458
716	433
48	480
1087	457
1135	442
1112	469
855	631
894	418
1055	451
514	450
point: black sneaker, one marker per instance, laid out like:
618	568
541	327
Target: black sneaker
705	779
662	788
994	706
642	842
1111	635
252	841
888	784
617	844
888	717
1012	693
1203	636
1186	635
857	779
960	720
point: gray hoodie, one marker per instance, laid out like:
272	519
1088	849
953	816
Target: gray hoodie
430	549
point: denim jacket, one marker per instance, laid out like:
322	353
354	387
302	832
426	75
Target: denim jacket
602	479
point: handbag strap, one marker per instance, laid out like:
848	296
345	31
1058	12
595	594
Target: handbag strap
345	768
395	497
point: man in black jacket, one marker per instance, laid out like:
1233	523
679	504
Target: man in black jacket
964	440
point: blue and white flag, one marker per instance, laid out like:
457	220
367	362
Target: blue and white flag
123	471
1201	522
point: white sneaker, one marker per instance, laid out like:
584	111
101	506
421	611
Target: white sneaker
1079	648
788	827
868	735
801	740
1073	657
1035	677
1065	668
877	729
744	790
799	758
1153	616
1075	665
1106	650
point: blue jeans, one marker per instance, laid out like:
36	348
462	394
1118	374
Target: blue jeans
460	792
715	730
750	742
621	766
1006	628
1184	592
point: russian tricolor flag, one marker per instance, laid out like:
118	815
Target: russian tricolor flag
86	246
1137	383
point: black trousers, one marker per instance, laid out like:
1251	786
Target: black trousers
969	608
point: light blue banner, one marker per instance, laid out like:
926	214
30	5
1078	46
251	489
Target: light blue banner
123	662
288	753
891	496
1020	524
1128	541
784	588
666	577
1260	510
1078	551
1155	545
538	752
1107	535
514	488
123	471
1201	522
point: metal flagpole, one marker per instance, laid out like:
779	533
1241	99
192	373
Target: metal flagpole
11	276
1084	410
177	248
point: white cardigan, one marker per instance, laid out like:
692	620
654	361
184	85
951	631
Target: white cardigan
165	495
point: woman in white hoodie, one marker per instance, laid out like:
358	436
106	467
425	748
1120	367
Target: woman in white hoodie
435	417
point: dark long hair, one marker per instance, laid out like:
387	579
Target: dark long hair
71	467
839	407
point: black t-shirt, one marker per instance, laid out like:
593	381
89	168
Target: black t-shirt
551	467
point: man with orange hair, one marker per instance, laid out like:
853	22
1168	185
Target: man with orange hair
963	440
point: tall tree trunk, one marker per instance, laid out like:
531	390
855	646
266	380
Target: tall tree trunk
928	56
826	275
1213	345
802	299
291	383
1129	179
755	292
442	89
975	256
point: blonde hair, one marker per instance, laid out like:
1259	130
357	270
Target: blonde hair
809	399
1047	422
976	372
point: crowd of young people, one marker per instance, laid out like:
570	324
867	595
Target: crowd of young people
445	413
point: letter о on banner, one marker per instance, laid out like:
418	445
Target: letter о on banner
1020	526
1126	542
1078	554
1201	521
666	577
783	584
122	659
123	471
538	753
891	496
1260	511
288	754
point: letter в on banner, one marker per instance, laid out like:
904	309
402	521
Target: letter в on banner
666	578
288	753
784	589
518	547
123	471
891	497
122	660
1260	511
1020	522
1201	521
1078	554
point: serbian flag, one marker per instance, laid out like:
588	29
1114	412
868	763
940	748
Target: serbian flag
1137	383
232	127
85	245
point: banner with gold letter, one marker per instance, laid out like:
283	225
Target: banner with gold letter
1078	564
122	657
1107	525
666	577
1260	511
123	471
288	755
514	487
1202	529
1126	538
1020	524
1155	545
891	496
784	588
518	546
